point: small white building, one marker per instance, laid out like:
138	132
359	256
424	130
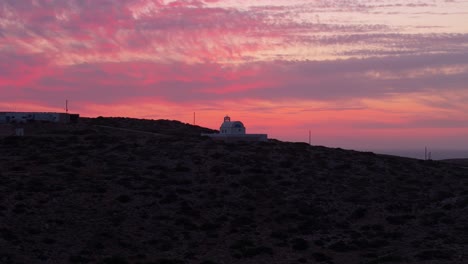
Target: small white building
24	117
232	127
235	131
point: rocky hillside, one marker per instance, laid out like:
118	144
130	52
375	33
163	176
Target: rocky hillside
103	191
462	162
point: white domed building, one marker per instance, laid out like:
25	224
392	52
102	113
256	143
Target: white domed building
235	131
232	127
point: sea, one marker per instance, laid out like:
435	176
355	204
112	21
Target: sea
435	154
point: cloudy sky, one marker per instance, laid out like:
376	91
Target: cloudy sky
358	74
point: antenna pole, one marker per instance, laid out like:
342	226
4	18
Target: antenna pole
425	153
309	138
66	106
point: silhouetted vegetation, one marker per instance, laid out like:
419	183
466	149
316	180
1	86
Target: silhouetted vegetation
120	190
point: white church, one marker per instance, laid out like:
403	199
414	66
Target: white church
231	127
235	131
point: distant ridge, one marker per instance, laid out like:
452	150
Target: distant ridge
163	126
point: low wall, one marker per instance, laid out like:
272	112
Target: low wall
234	137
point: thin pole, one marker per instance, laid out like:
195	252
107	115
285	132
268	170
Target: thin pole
309	138
193	118
66	106
425	153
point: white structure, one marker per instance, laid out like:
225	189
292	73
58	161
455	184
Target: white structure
231	127
19	132
23	117
235	131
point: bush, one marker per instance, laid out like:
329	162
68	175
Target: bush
182	168
358	213
7	235
207	262
299	244
114	260
287	164
320	257
124	198
340	246
76	163
435	254
169	198
255	251
36	185
398	219
279	235
389	258
245	248
242	221
78	259
170	261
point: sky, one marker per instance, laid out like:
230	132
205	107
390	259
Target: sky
374	74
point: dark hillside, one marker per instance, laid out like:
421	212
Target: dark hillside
463	162
102	192
168	127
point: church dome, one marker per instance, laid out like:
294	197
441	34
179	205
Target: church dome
232	127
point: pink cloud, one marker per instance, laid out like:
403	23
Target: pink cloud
321	80
293	63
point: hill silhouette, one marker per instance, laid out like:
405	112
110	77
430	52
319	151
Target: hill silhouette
120	190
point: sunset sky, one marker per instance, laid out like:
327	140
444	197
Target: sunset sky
358	74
